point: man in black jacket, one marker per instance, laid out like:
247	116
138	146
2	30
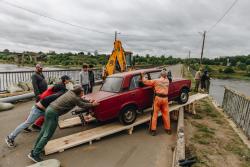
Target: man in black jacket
91	78
38	81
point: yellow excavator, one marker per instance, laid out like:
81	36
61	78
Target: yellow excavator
119	60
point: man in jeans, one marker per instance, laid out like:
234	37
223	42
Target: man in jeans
197	80
61	86
84	79
37	110
60	106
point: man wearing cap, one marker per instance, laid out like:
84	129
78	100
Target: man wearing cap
61	86
38	81
160	101
59	107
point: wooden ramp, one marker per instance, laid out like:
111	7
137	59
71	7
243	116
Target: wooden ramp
87	136
72	122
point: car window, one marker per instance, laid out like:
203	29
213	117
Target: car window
112	84
134	82
155	75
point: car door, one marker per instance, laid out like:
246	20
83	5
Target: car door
143	94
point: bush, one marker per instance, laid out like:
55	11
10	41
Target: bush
220	70
228	70
242	66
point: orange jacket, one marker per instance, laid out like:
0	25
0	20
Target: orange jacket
160	85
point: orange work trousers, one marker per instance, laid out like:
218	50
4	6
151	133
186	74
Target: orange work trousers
161	104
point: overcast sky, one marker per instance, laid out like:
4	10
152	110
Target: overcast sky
156	27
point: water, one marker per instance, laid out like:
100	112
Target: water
13	67
217	87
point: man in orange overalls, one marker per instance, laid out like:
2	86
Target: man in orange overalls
160	101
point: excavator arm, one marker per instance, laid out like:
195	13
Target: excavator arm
117	60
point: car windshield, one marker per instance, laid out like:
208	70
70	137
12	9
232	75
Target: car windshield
112	84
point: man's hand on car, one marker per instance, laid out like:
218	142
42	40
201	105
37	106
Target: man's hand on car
95	104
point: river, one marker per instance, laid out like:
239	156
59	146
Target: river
217	87
13	67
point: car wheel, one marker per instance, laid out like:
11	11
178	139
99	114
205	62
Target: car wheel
183	98
128	115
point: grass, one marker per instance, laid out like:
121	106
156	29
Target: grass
241	75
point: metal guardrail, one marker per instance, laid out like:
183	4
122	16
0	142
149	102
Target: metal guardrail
14	77
237	106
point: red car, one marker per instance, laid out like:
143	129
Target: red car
123	94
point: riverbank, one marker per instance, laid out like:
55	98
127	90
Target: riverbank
224	72
211	138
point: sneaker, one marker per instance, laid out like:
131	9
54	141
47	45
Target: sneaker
153	132
27	130
10	142
35	127
34	158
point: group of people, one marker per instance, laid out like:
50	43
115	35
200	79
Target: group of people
202	80
51	103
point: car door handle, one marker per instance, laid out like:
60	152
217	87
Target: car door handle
133	94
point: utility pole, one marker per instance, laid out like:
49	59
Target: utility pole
203	42
116	33
189	52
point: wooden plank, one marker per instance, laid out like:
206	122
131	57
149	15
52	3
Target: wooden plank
73	140
72	122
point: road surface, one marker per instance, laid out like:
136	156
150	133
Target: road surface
119	150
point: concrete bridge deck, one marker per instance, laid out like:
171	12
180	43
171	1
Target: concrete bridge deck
118	150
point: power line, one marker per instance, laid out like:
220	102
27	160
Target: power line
54	19
220	19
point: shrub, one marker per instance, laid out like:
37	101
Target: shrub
242	66
228	70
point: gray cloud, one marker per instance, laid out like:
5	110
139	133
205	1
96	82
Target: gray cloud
155	27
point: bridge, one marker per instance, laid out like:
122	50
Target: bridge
108	142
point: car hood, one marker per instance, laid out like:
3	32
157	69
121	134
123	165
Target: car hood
99	96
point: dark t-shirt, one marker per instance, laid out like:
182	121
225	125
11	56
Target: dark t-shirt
47	100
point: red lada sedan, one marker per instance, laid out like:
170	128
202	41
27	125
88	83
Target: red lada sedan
123	94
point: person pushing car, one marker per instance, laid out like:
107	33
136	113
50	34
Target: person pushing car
160	101
59	107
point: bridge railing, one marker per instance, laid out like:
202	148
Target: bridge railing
14	77
237	106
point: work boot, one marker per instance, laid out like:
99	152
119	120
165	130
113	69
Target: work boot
36	128
34	158
153	132
10	142
168	131
27	130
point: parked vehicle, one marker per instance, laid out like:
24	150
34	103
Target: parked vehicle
123	94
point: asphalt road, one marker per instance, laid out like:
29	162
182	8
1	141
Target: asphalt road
119	150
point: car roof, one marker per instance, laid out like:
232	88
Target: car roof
135	72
